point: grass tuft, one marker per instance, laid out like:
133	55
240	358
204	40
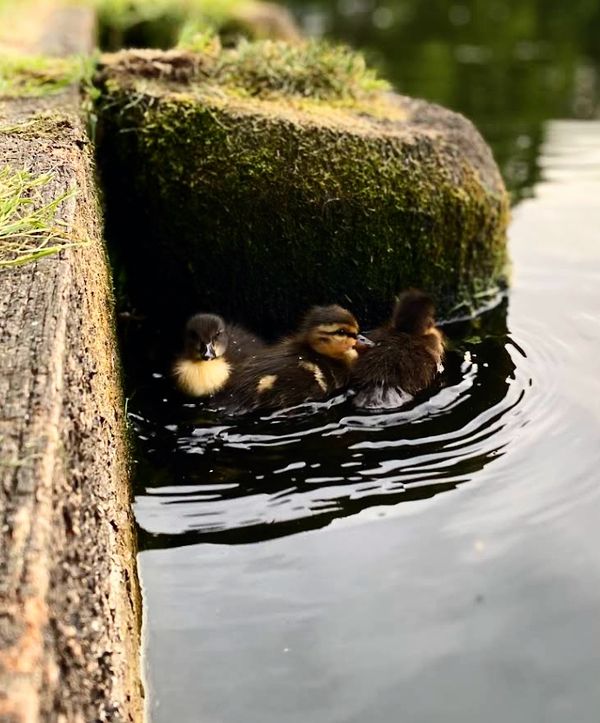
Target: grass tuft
303	72
313	69
34	76
28	226
197	39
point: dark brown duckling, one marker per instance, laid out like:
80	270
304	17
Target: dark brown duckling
406	358
310	365
212	349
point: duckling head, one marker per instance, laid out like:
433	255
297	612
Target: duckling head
202	369
414	313
205	337
331	331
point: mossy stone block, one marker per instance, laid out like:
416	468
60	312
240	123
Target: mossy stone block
238	193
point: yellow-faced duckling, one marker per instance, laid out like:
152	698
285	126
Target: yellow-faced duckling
406	357
212	348
310	365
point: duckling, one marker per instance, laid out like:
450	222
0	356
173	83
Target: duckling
212	349
406	358
310	365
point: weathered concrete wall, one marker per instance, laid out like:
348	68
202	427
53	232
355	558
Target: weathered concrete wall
69	601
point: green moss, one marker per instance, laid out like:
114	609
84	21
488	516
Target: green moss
314	70
33	76
258	205
41	125
200	40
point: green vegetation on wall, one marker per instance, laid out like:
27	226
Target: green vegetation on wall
508	65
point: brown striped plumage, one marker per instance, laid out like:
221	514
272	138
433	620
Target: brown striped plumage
311	365
406	358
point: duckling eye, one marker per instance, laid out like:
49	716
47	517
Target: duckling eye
345	332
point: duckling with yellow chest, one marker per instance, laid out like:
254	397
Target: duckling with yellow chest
212	349
406	357
310	365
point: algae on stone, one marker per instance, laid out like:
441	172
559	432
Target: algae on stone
253	195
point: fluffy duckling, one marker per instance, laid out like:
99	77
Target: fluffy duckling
212	348
406	358
310	365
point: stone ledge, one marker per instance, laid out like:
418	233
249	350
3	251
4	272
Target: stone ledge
69	599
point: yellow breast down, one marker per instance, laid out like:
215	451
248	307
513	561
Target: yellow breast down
201	378
350	356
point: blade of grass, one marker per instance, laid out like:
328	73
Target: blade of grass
29	229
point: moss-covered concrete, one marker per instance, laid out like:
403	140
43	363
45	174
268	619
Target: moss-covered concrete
238	182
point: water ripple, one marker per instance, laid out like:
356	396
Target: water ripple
201	477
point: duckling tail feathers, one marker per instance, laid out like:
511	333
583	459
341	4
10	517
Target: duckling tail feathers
413	313
381	396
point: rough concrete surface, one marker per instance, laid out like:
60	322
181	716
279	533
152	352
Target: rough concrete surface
69	602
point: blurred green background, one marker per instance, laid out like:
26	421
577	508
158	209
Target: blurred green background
509	65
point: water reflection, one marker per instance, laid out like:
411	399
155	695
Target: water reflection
480	604
507	64
204	477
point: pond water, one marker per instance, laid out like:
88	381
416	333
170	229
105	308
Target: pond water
437	563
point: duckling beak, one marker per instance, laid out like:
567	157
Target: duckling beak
208	353
362	343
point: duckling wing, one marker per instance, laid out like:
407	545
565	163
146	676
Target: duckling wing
243	344
276	378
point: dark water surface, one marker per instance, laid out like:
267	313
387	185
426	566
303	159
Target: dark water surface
437	563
